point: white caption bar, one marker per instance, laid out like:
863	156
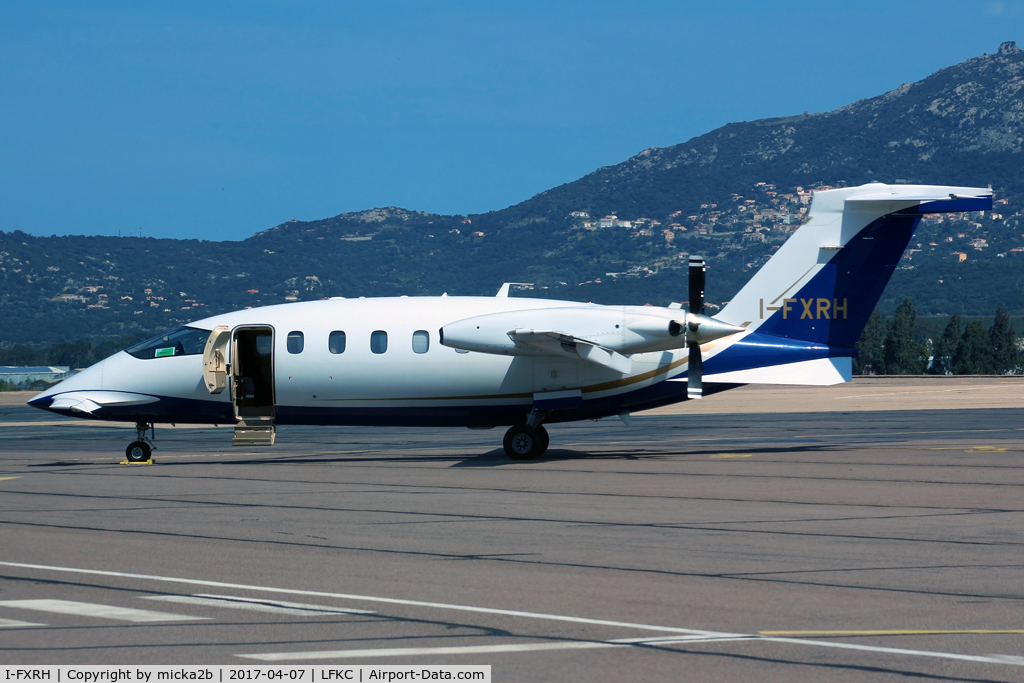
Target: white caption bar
480	673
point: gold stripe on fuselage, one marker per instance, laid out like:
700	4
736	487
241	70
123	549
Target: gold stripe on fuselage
593	388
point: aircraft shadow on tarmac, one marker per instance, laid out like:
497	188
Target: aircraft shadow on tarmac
492	458
497	457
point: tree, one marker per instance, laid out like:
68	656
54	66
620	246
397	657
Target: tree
904	356
945	347
21	355
1005	355
76	354
974	352
869	360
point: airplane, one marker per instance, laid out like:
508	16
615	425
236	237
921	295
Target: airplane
484	362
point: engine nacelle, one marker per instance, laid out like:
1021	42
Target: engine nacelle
623	329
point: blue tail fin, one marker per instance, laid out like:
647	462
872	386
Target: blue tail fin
825	281
812	299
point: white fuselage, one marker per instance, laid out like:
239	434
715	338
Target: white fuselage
402	385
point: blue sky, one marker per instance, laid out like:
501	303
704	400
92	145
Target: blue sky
216	120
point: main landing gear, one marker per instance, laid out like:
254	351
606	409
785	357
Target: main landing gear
141	449
527	441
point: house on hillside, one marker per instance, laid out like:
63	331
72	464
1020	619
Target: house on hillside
31	377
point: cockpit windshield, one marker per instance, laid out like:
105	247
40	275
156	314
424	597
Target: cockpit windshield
181	341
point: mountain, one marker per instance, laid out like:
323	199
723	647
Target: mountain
733	195
960	125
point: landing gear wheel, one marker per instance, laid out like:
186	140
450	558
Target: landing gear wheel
523	442
138	451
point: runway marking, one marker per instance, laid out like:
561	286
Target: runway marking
8	478
486	649
798	437
918	392
256	604
896	632
723	456
986	659
361	598
427	651
625	642
14	623
974	449
682	634
84	423
88	609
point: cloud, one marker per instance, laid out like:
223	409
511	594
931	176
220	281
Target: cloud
1004	9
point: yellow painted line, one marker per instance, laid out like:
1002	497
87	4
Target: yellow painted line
254	454
896	632
82	422
8	478
63	423
723	456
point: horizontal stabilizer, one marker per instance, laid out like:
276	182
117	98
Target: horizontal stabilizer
821	372
916	197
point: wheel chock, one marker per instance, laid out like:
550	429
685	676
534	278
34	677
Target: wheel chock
151	461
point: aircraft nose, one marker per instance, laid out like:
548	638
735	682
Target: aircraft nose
90	378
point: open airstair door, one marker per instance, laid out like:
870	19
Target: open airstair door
252	385
215	359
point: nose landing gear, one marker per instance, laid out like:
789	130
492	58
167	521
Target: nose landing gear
141	450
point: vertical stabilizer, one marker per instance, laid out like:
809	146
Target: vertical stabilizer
824	282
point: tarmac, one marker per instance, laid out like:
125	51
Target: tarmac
868	531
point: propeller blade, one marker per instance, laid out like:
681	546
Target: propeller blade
695	373
697	269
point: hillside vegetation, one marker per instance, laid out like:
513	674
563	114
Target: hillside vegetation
732	195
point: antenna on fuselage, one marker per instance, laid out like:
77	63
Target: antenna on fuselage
503	292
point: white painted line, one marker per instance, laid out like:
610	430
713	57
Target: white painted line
625	642
709	636
88	609
987	659
360	598
257	605
429	651
481	649
14	623
723	637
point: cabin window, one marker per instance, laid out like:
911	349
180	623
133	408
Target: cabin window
182	341
420	341
336	342
379	341
296	340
